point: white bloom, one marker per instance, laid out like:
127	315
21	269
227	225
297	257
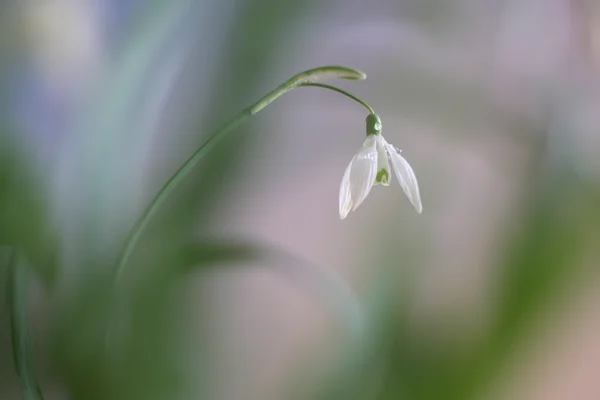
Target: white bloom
371	166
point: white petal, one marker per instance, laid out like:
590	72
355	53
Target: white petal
383	164
406	177
345	197
358	178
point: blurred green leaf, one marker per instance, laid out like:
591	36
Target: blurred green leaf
321	283
21	338
24	216
539	262
209	253
122	347
100	170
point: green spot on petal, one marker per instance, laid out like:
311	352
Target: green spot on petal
383	176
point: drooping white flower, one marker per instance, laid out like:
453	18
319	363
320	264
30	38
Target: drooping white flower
371	166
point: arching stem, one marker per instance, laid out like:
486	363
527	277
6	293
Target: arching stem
307	78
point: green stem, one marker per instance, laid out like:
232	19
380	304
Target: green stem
335	89
22	347
307	78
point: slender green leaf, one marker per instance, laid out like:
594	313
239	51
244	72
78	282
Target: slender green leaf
22	341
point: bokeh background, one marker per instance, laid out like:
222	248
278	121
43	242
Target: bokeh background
247	285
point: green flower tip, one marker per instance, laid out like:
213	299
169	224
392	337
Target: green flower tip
329	72
339	72
353	74
373	124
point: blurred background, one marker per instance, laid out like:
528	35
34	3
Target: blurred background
247	285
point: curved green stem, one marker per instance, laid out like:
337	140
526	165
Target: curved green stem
307	78
22	347
336	89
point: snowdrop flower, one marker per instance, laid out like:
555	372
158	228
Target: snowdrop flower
371	166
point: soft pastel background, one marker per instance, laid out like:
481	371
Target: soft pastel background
247	285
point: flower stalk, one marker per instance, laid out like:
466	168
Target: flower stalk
306	78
